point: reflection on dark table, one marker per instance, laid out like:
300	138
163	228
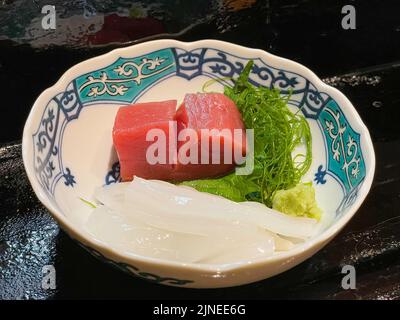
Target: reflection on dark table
363	63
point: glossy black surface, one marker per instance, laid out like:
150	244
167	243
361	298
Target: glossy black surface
363	63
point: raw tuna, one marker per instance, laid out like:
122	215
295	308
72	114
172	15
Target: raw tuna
129	135
209	111
197	112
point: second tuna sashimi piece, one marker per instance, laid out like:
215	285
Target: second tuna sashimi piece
214	117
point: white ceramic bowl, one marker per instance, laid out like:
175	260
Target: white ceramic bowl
67	145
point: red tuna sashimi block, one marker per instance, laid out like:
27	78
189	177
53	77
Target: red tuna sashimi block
132	123
209	111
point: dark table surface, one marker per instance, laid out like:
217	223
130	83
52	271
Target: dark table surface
363	63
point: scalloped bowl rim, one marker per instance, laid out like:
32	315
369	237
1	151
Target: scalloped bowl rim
316	241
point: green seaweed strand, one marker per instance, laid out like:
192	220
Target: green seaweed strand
278	132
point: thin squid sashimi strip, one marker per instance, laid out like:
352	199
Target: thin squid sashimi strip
197	203
160	218
163	216
130	235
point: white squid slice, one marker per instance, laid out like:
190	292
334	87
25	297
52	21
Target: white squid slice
162	220
132	236
190	202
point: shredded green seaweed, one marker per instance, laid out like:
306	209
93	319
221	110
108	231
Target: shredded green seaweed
277	133
88	203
